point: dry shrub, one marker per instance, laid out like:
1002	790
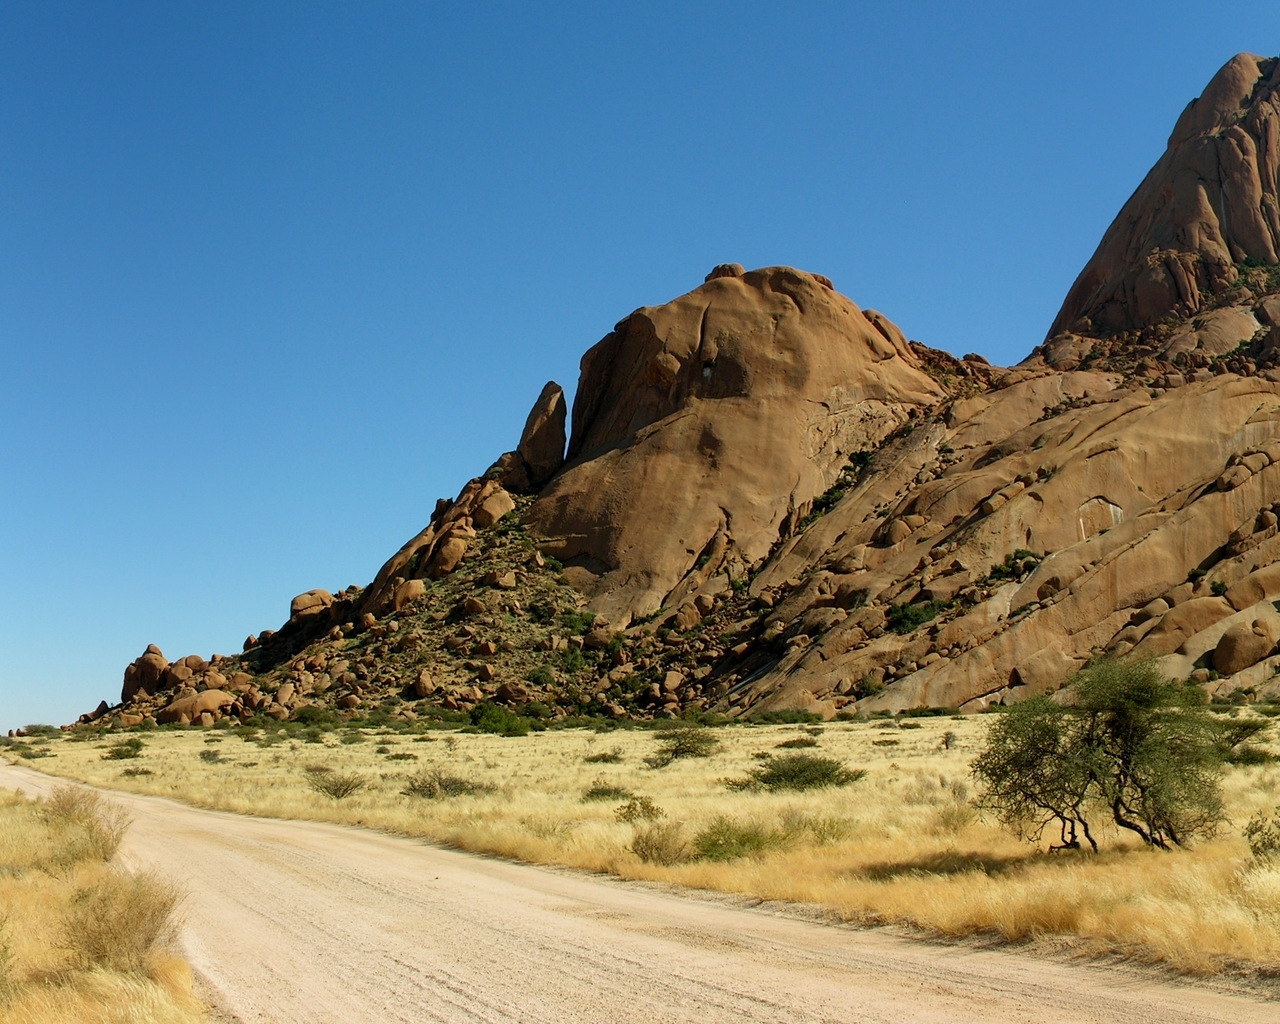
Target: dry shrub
7	979
336	784
116	923
660	842
638	808
100	825
103	997
434	784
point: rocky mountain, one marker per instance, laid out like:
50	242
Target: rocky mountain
770	500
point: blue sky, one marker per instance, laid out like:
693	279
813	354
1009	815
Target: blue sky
274	277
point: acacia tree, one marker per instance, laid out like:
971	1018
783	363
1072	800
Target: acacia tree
1124	743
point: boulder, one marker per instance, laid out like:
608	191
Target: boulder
143	675
1244	645
449	554
686	617
193	706
423	686
407	592
1182	623
493	508
313	602
1261	585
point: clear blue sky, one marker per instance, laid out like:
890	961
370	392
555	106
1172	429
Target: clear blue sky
274	277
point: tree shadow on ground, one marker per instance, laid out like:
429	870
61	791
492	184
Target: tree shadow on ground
949	862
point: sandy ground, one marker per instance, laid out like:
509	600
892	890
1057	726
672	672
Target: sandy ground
300	921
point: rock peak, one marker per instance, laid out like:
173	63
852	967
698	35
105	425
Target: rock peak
1207	208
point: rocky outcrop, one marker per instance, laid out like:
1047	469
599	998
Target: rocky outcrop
143	676
704	429
441	546
1209	204
540	453
771	500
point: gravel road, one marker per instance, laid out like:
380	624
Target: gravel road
298	921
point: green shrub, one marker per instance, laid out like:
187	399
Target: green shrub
726	839
682	741
493	718
903	618
541	676
1218	588
124	750
572	659
577	623
402	756
613	756
1015	565
601	789
796	743
784	718
799	772
211	756
313	715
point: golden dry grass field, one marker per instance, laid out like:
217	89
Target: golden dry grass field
80	940
901	845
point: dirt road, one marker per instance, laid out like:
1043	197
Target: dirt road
298	921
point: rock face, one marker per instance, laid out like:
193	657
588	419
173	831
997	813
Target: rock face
1209	204
704	428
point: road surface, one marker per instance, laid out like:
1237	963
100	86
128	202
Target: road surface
300	921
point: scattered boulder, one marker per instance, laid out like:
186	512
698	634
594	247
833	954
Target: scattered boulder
493	508
407	592
423	686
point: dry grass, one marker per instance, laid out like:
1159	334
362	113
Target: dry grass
901	845
80	940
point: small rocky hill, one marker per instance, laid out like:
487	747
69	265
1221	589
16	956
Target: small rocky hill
770	500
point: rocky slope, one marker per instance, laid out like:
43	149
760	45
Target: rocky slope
772	501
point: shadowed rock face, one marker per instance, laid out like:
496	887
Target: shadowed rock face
1209	204
704	428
